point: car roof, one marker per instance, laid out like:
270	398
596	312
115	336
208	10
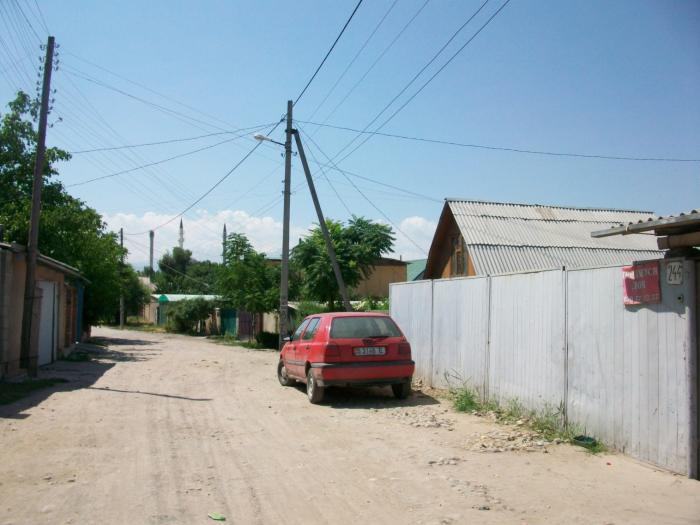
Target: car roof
350	314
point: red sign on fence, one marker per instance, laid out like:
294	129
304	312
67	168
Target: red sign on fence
641	283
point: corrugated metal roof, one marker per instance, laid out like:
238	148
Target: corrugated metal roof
683	223
518	232
543	212
502	237
508	259
174	297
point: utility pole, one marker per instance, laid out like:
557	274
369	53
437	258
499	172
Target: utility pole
121	281
27	360
322	224
150	253
223	246
284	280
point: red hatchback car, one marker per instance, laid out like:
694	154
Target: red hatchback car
347	349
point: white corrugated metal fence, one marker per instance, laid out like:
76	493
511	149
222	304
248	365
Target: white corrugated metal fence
564	339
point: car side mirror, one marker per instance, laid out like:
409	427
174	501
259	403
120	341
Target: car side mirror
287	339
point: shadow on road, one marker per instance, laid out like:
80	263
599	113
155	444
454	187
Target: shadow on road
118	341
370	397
149	393
76	375
93	362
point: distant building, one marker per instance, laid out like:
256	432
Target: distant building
483	238
385	272
415	270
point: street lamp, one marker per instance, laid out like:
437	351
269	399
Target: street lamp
262	138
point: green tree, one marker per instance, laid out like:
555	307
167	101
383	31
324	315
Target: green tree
358	246
185	316
203	277
248	280
70	231
172	271
135	293
179	272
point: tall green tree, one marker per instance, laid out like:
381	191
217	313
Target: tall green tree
248	279
69	230
358	246
172	271
179	272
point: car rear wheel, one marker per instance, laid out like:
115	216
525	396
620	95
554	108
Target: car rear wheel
313	391
401	390
283	376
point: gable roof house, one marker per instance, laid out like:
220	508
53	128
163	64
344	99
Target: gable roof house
486	238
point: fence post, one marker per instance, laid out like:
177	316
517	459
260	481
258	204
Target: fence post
487	359
566	345
432	325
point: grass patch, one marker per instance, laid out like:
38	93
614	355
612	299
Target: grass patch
77	356
232	341
141	327
466	400
548	422
11	392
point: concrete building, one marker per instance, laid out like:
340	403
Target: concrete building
57	310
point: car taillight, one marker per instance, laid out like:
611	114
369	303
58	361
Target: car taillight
404	349
332	350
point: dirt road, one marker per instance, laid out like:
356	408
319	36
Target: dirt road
166	429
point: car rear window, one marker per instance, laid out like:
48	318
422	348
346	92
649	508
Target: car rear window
351	327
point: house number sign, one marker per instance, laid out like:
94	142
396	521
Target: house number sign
641	283
674	272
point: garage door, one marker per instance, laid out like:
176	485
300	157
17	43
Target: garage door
48	328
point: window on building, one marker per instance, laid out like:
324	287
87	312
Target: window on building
458	263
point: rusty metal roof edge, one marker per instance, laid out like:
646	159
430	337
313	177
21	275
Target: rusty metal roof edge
648	225
46	261
535	205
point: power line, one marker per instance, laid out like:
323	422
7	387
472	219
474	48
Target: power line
381	55
329	52
502	148
142	86
19	8
162	161
415	77
41	17
160	263
365	197
425	84
170	141
198	200
173	113
313	156
359	52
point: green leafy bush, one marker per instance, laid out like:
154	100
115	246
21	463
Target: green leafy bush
185	316
267	339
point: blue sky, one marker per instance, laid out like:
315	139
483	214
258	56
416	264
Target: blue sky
594	77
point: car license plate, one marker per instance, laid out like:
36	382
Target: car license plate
370	350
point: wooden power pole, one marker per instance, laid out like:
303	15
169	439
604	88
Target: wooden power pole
322	224
28	357
284	279
121	280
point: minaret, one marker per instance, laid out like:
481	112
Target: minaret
223	246
181	239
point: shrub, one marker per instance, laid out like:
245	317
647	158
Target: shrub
184	316
267	339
